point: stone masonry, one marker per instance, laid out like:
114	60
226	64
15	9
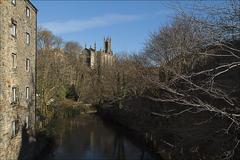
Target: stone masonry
93	58
18	26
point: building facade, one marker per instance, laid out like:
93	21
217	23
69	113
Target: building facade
18	27
93	58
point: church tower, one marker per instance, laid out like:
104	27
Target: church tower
107	45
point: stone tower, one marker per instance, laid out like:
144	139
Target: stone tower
93	58
18	27
107	45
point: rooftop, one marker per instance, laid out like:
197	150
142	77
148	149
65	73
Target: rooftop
30	3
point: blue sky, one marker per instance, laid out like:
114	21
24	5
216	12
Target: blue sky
129	23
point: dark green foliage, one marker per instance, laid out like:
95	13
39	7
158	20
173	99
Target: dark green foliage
72	93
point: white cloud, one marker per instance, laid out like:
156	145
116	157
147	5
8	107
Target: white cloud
72	26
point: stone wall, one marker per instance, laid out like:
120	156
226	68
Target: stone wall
17	77
97	58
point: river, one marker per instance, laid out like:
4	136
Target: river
88	137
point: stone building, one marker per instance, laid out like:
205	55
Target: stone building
93	58
18	26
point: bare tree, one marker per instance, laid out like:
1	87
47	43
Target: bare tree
197	55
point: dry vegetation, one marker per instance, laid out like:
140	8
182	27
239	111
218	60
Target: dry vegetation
193	62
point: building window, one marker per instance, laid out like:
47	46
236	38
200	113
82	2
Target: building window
14	60
27	122
27	38
27	64
88	61
14	2
14	94
14	28
15	128
27	12
27	92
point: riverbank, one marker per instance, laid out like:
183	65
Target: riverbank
70	108
43	142
62	109
35	147
189	135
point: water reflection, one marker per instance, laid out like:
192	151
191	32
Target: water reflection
87	137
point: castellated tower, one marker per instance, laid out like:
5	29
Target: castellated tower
102	58
18	26
107	45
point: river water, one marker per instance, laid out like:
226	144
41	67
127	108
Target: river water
88	137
